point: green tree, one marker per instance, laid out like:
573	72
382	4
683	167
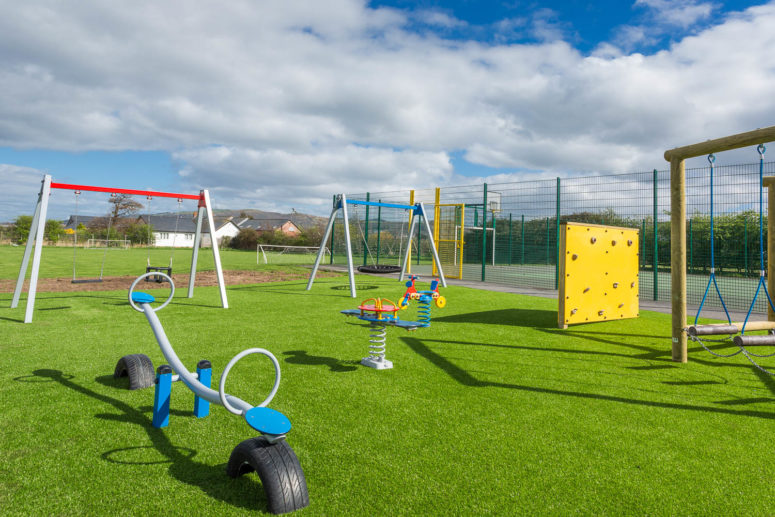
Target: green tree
246	239
139	233
21	229
53	231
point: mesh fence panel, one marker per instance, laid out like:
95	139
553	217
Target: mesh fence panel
510	230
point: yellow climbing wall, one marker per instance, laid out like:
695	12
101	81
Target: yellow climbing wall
598	274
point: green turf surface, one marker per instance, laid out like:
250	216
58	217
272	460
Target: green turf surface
491	410
57	261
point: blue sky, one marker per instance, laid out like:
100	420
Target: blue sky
274	105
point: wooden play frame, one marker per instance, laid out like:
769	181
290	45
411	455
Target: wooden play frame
677	158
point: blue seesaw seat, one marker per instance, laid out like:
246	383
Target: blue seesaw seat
268	421
403	324
140	297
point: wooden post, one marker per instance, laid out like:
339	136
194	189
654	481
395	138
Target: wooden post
678	257
769	184
676	158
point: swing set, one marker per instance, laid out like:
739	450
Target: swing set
98	279
35	240
734	332
697	332
160	269
340	205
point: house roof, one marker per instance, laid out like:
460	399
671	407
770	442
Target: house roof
82	219
184	224
265	224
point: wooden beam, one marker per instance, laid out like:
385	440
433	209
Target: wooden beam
727	143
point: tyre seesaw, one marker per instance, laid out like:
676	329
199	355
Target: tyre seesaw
268	454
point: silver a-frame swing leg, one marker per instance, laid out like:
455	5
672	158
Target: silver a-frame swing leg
37	229
206	210
419	210
339	203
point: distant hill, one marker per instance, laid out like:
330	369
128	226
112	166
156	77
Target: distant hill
303	221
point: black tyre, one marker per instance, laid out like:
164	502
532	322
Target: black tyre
379	269
139	369
278	468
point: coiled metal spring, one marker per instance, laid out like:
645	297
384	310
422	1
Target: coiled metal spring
377	341
424	310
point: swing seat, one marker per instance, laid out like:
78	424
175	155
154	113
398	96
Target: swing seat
157	269
765	340
86	281
719	329
267	421
379	269
712	330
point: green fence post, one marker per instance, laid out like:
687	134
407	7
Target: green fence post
494	240
379	228
656	234
691	247
366	232
557	240
546	244
419	233
484	231
643	243
522	242
509	238
745	248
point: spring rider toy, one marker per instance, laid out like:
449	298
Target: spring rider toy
382	312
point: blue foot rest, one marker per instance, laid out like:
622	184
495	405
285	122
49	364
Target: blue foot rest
140	297
267	421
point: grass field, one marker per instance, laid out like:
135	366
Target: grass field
489	411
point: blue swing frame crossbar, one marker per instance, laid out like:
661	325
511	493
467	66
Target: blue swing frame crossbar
340	204
384	205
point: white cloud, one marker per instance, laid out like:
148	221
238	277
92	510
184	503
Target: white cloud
678	13
273	103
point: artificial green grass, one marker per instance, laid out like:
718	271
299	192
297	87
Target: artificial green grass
57	261
491	410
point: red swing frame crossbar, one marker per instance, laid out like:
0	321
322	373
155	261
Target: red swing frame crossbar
152	193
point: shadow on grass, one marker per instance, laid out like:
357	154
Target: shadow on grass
515	317
334	365
465	378
212	480
287	288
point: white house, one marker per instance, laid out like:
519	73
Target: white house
178	232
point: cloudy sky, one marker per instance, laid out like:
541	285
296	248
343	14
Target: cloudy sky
280	104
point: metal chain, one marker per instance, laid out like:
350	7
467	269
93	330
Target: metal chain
745	352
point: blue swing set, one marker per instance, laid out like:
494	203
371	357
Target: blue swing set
736	332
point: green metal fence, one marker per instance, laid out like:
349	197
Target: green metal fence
511	229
